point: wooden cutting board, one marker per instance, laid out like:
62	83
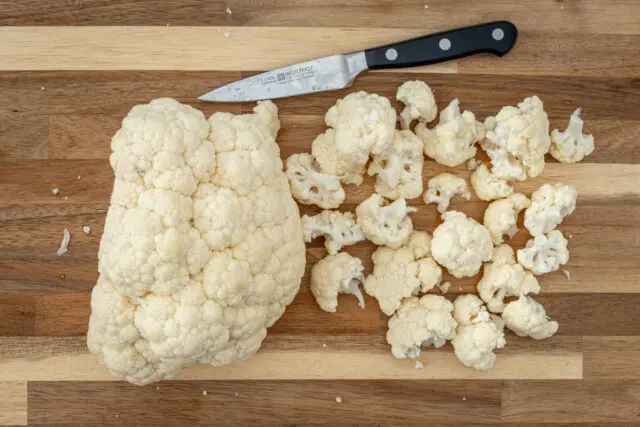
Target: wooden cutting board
70	71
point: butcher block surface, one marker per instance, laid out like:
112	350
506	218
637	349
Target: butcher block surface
70	71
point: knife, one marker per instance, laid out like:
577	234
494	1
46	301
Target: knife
339	71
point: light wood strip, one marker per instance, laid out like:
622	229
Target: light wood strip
324	363
186	48
13	403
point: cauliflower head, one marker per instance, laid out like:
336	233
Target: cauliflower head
442	188
478	333
401	273
336	274
338	228
363	124
504	277
452	142
544	253
487	186
461	244
527	317
501	216
572	145
399	170
419	103
385	224
420	322
309	186
517	139
202	247
550	204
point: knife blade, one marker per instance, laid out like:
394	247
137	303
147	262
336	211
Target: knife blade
339	71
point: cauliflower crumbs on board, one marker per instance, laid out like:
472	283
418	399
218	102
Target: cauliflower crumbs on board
339	399
55	190
63	249
419	365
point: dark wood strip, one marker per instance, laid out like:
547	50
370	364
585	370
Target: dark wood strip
18	314
23	136
579	16
571	401
611	358
115	92
264	402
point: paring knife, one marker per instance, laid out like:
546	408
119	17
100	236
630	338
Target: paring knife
339	71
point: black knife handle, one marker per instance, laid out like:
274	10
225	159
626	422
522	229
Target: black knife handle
493	37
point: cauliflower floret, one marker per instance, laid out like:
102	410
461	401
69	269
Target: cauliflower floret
202	247
364	124
399	170
452	141
478	333
423	322
403	272
544	253
504	277
336	274
325	151
443	187
339	229
419	103
526	317
461	244
572	145
549	205
384	224
518	139
487	186
501	216
309	186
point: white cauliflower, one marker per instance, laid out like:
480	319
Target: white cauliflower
517	139
452	142
572	145
527	317
504	277
401	273
501	216
325	152
442	188
423	322
550	204
202	247
478	333
385	224
461	244
419	103
399	170
309	186
336	274
487	186
364	124
339	229
544	253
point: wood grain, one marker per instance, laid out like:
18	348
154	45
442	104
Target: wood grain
71	70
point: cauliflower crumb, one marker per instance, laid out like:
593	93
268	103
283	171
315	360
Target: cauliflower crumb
419	365
452	142
78	177
227	34
442	188
229	11
55	190
86	229
65	243
339	399
464	398
158	388
236	393
204	392
444	287
324	346
41	87
567	274
66	197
